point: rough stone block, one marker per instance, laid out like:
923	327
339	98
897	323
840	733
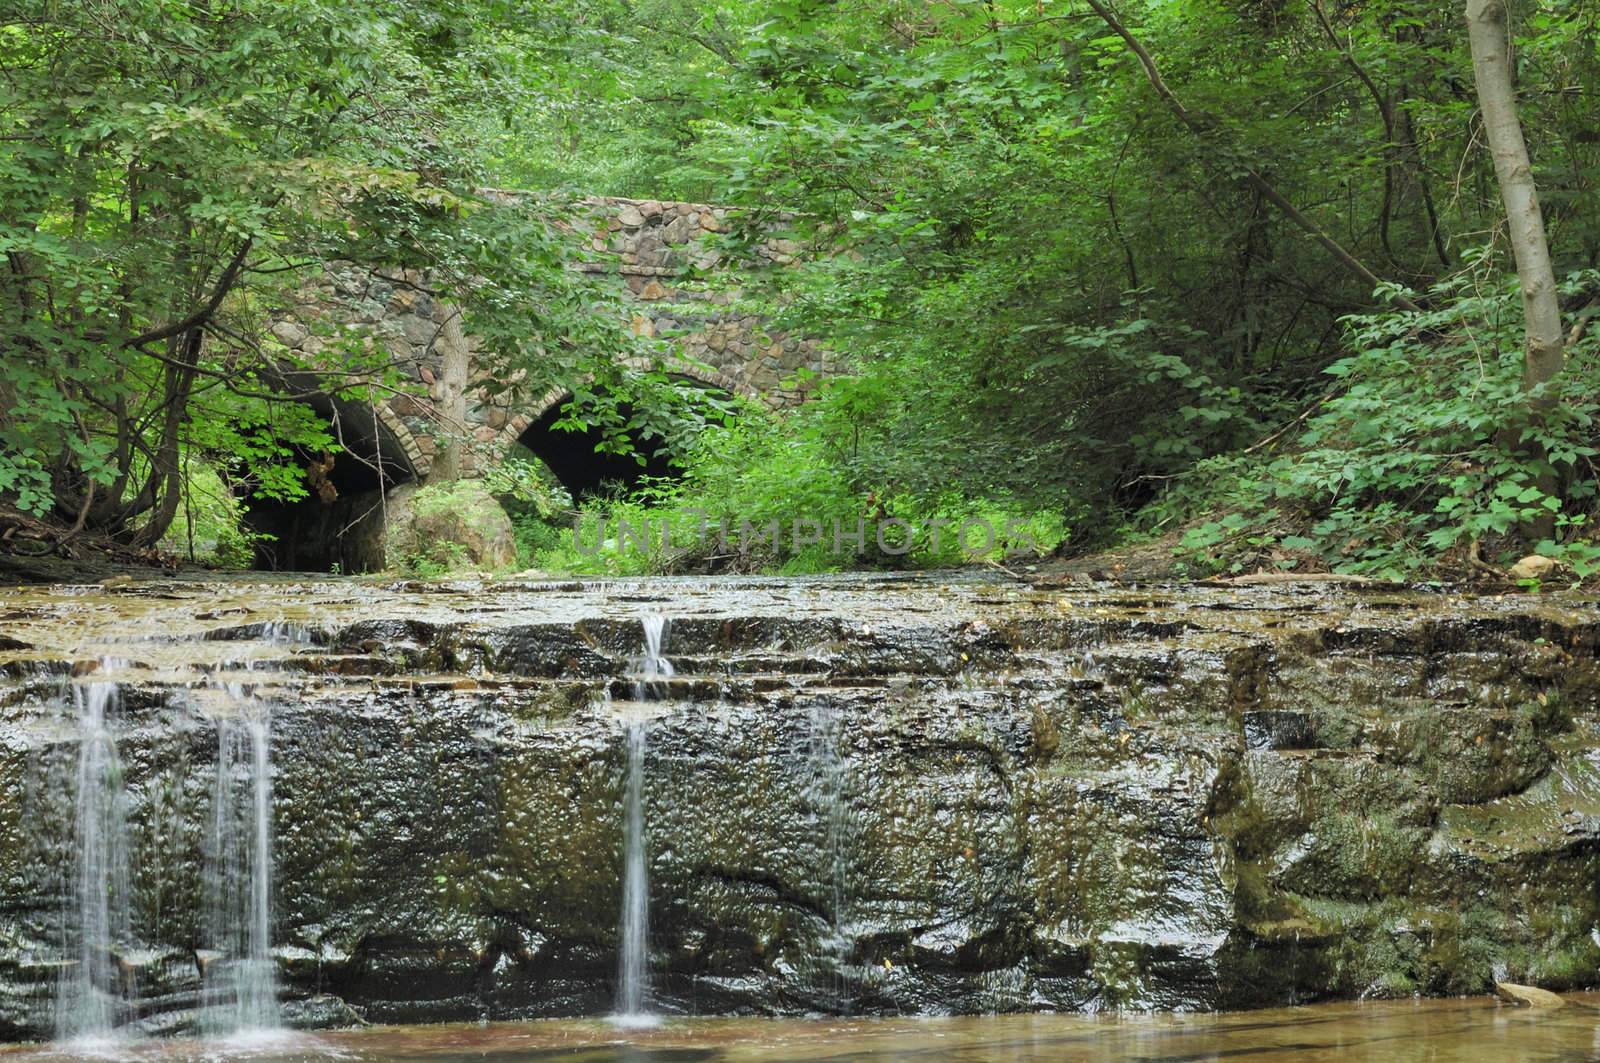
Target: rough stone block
406	406
290	333
419	330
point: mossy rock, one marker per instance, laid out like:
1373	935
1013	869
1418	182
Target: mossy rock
440	527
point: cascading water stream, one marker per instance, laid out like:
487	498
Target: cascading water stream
240	991
240	984
652	666
633	976
97	992
94	995
634	931
828	782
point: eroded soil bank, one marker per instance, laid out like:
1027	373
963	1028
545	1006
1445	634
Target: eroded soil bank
861	795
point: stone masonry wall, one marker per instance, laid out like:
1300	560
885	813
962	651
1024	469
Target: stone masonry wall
664	259
665	255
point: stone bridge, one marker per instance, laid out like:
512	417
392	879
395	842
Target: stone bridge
673	278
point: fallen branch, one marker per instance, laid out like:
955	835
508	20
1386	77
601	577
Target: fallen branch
1580	326
1307	412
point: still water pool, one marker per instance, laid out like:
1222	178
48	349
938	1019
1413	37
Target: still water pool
1425	1030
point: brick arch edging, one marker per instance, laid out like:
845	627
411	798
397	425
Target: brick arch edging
422	462
519	423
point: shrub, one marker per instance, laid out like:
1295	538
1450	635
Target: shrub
1427	447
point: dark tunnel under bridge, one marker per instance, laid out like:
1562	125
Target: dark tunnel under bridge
340	527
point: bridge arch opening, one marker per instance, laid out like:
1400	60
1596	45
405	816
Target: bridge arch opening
586	471
576	460
339	525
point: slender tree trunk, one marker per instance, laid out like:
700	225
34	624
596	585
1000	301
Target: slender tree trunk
1489	34
166	474
1490	37
454	354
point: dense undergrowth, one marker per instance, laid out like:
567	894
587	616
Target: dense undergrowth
1415	461
1419	457
1079	311
1415	457
759	492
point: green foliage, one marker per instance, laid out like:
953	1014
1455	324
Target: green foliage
173	171
524	483
440	560
1055	292
210	528
540	543
539	508
613	97
155	148
1424	448
787	493
448	497
1061	305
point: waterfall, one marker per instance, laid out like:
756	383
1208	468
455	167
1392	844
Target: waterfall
94	994
633	976
239	975
634	928
828	779
240	987
652	666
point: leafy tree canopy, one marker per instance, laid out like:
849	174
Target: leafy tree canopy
1107	264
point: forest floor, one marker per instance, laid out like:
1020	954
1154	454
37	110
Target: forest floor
43	551
40	551
1147	561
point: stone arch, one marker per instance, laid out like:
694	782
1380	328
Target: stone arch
518	424
406	440
575	468
342	528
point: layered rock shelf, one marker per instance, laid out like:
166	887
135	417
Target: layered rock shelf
864	794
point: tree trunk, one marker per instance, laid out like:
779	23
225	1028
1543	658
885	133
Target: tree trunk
1491	68
453	358
166	473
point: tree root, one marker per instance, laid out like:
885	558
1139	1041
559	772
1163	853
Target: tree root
1476	562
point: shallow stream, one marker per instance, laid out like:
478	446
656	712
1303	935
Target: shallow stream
1432	1031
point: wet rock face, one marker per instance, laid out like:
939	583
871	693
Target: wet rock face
859	795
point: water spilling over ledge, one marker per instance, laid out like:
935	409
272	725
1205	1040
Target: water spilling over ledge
633	928
92	992
857	795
